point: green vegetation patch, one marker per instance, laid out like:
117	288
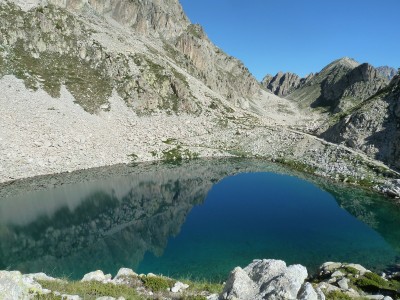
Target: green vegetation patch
195	30
88	290
29	58
239	153
156	283
2	66
177	155
50	296
337	295
366	182
88	86
373	283
133	157
170	141
196	297
169	84
157	70
349	270
180	77
204	286
297	165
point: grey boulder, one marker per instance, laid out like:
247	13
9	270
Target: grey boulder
269	279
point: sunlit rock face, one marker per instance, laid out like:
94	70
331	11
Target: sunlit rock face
373	127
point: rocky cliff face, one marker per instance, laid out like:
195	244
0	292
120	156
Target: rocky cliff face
148	17
219	71
143	49
44	46
387	72
373	126
281	84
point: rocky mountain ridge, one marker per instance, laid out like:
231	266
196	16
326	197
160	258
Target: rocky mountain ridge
356	103
282	84
337	87
373	126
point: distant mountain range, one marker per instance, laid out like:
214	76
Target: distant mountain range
360	104
337	87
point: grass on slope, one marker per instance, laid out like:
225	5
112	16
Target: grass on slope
158	285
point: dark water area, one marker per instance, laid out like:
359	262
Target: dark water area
199	219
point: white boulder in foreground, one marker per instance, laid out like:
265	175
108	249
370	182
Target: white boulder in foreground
270	279
12	285
96	276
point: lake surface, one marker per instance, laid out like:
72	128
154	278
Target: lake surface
199	219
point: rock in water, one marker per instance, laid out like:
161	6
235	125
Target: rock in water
269	279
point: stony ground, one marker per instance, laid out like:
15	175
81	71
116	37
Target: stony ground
42	135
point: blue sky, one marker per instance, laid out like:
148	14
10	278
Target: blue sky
301	36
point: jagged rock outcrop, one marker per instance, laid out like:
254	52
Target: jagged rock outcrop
387	72
373	126
281	84
339	86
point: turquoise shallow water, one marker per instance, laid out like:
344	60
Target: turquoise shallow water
197	220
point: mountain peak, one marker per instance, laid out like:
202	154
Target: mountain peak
345	62
282	83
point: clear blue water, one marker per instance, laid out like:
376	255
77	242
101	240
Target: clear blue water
197	220
266	215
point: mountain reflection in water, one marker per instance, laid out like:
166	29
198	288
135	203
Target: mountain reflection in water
70	224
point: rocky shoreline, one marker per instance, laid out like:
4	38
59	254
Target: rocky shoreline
261	279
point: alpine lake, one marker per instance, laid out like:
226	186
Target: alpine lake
197	219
